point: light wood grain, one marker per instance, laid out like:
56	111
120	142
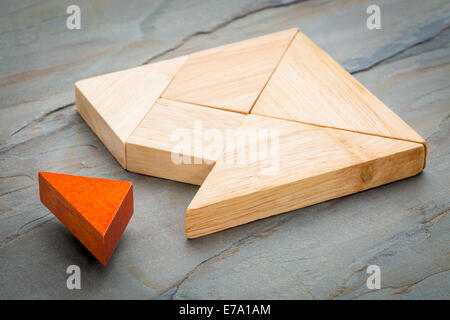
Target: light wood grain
149	149
310	87
315	164
115	103
230	77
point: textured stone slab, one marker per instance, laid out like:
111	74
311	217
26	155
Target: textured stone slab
317	252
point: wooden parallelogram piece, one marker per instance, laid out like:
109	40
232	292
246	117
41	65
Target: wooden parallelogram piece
310	87
230	77
113	104
312	164
95	210
180	141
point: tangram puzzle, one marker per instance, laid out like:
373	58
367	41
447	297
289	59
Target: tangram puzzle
335	137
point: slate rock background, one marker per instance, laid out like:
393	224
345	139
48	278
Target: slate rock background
320	252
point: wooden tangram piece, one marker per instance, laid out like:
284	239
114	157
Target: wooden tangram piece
310	87
335	137
95	210
232	76
114	104
171	141
310	165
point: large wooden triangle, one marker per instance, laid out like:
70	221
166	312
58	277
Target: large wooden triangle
95	210
310	87
307	165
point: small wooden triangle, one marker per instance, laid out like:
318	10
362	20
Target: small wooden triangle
95	210
310	165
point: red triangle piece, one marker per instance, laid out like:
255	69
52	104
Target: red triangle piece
95	210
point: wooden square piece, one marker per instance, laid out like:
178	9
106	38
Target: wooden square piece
333	136
230	77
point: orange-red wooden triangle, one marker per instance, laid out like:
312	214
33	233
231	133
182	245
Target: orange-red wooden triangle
95	210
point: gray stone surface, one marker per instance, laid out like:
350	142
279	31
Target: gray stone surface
317	252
